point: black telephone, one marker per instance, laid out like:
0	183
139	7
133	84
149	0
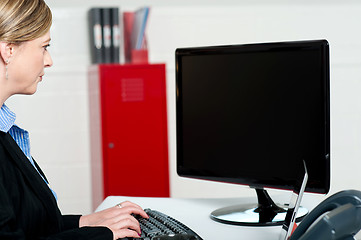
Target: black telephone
336	218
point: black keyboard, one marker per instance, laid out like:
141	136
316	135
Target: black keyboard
160	226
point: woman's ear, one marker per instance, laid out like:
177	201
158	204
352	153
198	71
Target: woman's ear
6	51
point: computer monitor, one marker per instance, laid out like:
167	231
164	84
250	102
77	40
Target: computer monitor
252	114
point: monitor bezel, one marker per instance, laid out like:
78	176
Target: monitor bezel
323	45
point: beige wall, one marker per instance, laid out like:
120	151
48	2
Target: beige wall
61	104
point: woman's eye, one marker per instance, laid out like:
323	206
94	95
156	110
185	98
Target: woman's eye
46	47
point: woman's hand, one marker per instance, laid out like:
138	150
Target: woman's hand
118	219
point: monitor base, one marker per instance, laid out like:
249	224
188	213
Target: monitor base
265	213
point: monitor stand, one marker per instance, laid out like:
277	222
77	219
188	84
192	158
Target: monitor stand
265	213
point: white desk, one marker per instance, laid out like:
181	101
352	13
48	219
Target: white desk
195	214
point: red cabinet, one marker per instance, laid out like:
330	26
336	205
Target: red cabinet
128	122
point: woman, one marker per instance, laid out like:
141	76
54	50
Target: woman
28	207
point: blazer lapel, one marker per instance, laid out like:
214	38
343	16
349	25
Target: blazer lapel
36	182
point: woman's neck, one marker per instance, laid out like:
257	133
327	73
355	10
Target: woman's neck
4	91
3	97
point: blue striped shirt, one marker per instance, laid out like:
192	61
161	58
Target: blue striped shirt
21	136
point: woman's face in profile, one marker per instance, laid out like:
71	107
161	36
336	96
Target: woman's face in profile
26	65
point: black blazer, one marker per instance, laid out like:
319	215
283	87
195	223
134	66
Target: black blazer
28	209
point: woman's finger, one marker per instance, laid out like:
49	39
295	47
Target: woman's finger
122	233
130	209
128	222
129	204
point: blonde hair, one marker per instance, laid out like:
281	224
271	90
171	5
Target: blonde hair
23	20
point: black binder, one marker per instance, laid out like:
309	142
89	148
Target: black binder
96	35
116	36
107	35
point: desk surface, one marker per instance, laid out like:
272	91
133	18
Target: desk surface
195	214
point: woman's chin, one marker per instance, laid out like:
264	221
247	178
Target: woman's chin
30	91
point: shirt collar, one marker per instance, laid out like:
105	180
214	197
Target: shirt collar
7	118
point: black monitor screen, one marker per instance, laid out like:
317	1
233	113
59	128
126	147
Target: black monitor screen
251	114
